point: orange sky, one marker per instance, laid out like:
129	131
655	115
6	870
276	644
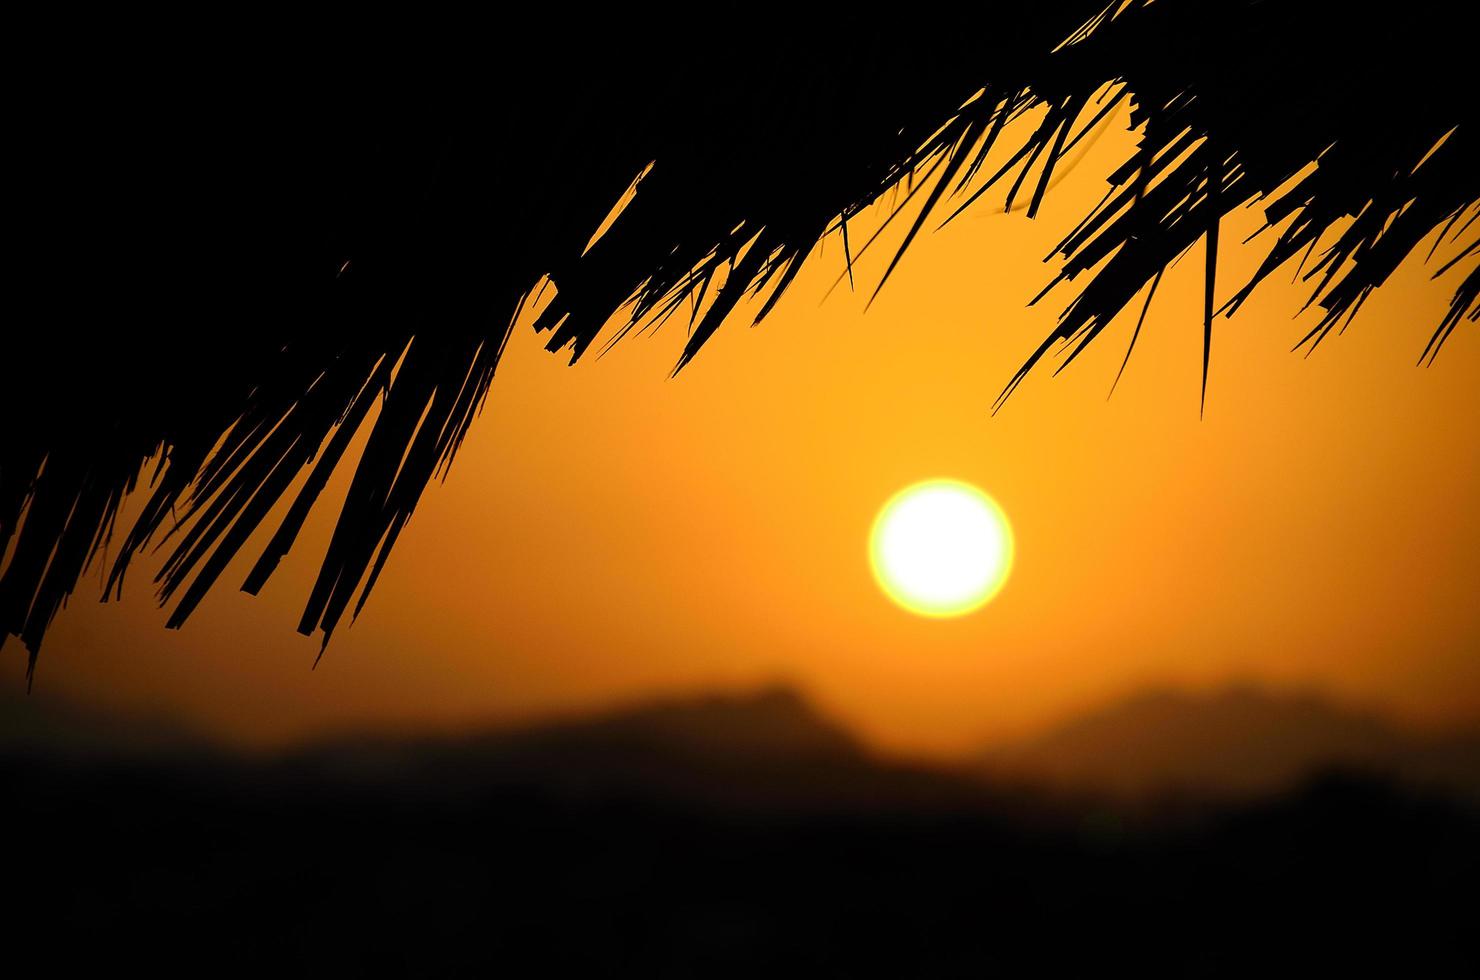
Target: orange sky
608	534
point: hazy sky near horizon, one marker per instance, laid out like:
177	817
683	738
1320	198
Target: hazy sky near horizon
608	533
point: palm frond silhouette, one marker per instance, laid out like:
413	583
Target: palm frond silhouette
233	249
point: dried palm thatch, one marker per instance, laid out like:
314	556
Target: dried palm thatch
235	246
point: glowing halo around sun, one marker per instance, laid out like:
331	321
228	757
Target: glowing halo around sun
941	548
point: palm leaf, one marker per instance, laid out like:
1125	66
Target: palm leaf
233	254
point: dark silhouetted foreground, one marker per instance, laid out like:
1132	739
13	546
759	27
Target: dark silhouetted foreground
727	837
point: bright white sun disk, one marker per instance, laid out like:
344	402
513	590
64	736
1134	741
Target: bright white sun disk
941	548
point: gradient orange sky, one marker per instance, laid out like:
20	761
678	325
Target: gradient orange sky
608	534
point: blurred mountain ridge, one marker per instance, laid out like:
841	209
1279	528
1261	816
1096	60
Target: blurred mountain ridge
772	747
1237	741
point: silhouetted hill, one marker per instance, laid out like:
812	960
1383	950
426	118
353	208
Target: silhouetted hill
775	724
1237	742
769	749
39	725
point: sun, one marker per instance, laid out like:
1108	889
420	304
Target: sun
941	548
